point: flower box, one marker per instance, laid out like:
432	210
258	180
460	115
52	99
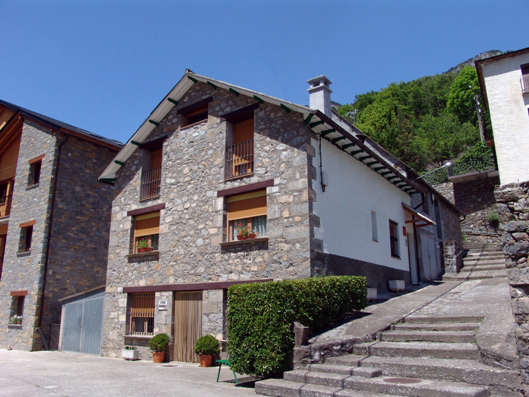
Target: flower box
128	354
396	285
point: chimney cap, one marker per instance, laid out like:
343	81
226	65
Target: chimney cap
319	80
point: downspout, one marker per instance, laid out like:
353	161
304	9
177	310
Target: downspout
41	311
321	169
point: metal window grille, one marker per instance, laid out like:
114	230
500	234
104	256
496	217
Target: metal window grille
141	314
150	183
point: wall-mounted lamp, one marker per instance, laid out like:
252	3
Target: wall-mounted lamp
448	164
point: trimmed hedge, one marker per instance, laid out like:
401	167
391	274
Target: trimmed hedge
260	317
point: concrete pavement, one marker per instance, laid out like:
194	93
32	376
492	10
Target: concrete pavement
53	373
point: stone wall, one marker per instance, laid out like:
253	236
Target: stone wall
513	205
80	225
24	271
193	224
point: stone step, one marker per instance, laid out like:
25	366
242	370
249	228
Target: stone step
428	336
437	327
328	378
484	262
366	372
462	351
441	319
485	255
387	385
283	388
475	275
481	268
350	360
468	371
422	387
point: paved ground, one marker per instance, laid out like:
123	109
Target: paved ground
30	374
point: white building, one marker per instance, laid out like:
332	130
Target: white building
504	81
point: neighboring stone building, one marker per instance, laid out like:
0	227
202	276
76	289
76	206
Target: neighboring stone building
213	158
54	221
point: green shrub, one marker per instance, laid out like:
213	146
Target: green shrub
260	317
493	218
159	343
207	345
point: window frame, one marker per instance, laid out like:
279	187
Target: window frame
26	239
148	313
153	239
17	309
374	226
258	198
394	242
195	113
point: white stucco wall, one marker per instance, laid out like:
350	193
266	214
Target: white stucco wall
510	120
353	191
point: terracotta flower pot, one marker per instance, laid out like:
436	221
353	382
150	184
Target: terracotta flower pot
206	360
158	357
148	249
241	237
252	235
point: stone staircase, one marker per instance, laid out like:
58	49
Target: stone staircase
481	262
421	356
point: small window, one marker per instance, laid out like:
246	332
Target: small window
2	251
3	193
141	314
525	77
195	113
197	116
17	310
26	235
239	149
374	230
34	173
146	232
247	216
394	239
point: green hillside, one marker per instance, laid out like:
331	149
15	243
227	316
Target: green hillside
424	122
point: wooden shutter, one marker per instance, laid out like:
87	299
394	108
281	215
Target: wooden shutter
247	205
243	131
146	225
156	158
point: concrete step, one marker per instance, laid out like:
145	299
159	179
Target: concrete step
485	255
327	378
350	360
283	388
468	371
461	351
437	327
422	387
475	275
428	336
442	319
484	262
481	268
366	372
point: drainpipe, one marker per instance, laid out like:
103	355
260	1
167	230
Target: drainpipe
41	311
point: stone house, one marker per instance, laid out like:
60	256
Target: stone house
212	159
54	221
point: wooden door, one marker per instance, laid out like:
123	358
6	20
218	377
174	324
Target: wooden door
187	325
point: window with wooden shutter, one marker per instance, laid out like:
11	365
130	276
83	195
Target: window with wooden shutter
141	314
146	232
26	235
247	213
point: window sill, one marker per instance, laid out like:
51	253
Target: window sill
194	124
14	326
142	200
245	242
146	337
29	187
25	253
144	256
234	178
395	257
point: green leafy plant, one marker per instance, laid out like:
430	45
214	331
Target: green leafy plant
142	243
243	230
493	218
17	320
130	348
260	317
207	345
159	343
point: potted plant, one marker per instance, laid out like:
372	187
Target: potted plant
242	232
130	353
143	245
158	344
206	347
15	320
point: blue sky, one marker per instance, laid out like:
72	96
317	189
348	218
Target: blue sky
103	65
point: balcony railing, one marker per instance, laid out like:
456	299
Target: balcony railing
150	183
5	206
239	159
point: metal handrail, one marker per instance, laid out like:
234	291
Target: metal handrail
239	159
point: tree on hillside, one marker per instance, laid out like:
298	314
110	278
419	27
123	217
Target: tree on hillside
462	97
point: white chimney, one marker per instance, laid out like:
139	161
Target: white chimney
320	94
